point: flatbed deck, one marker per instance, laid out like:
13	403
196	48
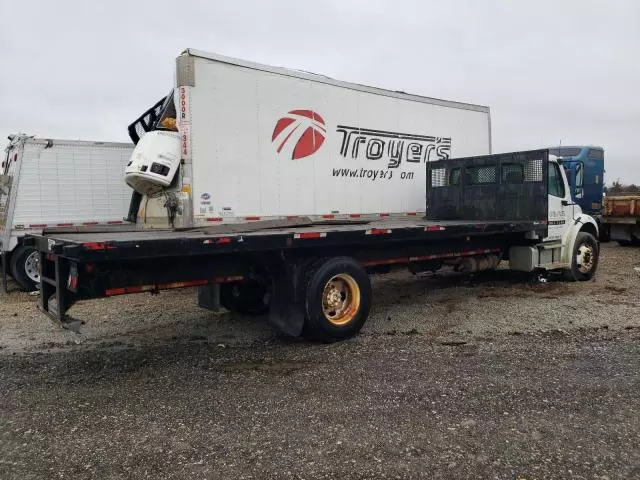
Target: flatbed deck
256	236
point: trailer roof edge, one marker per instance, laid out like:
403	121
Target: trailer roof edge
330	81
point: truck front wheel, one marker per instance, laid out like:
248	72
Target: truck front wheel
584	260
25	267
337	299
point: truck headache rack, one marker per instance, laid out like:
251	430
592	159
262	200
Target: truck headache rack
510	186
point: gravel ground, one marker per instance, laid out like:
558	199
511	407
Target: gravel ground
496	376
448	305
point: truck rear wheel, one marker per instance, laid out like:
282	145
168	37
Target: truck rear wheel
249	297
584	260
337	299
25	267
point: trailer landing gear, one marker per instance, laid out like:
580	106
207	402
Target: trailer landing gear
55	297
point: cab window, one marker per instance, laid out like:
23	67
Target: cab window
556	185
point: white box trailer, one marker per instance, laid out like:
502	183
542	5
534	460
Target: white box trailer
49	183
253	142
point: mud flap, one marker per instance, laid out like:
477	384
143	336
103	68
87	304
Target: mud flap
209	297
287	300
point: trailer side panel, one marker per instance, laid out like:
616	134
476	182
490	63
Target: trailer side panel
267	144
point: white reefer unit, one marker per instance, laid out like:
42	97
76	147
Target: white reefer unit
259	142
49	183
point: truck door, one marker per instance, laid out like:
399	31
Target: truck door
560	210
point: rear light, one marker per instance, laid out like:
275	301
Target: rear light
308	235
378	231
72	281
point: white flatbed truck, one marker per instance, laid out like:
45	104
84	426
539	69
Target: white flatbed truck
312	277
221	207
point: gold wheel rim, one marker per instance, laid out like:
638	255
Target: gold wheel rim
341	299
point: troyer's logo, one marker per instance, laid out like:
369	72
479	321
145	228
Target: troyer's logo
302	129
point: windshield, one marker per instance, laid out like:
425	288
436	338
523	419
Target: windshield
565	151
167	120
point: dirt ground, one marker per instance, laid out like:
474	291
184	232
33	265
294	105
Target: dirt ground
493	376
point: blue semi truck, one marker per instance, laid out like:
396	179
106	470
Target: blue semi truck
584	167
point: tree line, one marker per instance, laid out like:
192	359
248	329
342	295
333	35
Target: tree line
618	188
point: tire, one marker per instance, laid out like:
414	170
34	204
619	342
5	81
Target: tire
250	297
584	261
605	233
337	299
24	268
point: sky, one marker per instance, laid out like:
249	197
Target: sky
552	71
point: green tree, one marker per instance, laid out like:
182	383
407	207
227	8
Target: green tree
616	188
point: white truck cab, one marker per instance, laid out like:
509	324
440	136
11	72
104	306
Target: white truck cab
571	243
156	157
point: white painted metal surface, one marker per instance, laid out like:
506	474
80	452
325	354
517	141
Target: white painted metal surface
266	142
63	183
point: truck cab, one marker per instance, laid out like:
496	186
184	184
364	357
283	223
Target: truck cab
563	207
152	172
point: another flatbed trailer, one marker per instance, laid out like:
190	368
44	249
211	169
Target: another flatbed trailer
312	277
